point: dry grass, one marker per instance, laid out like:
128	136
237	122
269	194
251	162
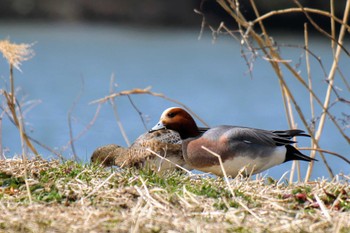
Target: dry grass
70	197
15	54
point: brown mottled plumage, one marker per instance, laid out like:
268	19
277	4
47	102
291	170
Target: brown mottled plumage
166	143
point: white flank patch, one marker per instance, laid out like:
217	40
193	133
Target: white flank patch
250	165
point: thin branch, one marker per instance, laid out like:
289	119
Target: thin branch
115	111
138	112
33	139
202	24
147	91
47	148
331	81
2	156
71	136
344	25
294	10
272	54
326	151
87	127
11	103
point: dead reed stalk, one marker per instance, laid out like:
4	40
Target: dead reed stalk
15	54
250	37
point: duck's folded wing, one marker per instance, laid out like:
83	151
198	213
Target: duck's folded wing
262	137
290	133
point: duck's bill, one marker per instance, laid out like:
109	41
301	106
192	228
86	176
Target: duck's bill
158	126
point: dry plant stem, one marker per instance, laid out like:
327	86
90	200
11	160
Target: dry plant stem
285	95
275	64
24	158
138	111
300	113
330	84
308	69
275	60
169	161
202	24
33	139
2	156
98	187
291	122
332	25
327	152
11	102
12	85
80	134
147	91
115	111
71	142
320	29
312	129
304	84
263	47
299	78
229	185
305	9
323	207
120	125
47	148
347	84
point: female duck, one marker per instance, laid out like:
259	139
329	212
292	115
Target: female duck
142	153
239	147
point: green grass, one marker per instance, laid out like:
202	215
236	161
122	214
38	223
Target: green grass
69	196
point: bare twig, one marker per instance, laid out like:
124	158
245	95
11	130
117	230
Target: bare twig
326	151
202	24
344	25
268	47
87	127
2	156
71	136
115	111
330	85
305	9
138	112
15	54
147	91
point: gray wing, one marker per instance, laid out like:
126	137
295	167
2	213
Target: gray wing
259	136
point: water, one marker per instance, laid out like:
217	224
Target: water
210	78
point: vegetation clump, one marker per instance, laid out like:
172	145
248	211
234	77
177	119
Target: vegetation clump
75	197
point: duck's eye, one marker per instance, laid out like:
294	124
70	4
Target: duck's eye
171	114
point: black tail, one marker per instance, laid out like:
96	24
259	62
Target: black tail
294	154
283	137
290	133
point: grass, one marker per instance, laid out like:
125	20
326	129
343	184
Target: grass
71	197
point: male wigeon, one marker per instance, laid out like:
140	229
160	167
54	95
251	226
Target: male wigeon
239	147
166	143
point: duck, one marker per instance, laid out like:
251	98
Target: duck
142	153
242	150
